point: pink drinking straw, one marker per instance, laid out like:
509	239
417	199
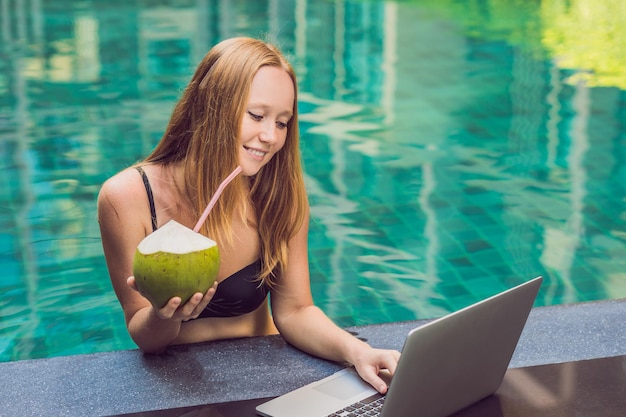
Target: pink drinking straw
209	206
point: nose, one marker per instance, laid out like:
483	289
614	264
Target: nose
268	132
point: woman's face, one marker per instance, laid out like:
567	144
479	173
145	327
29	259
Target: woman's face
264	124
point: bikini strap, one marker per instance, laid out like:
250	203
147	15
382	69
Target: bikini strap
146	183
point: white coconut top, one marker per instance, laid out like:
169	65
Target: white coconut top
173	237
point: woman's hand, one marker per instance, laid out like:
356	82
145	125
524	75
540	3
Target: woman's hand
372	361
174	311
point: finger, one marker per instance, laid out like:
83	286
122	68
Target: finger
131	283
209	294
205	300
390	361
198	302
374	380
168	311
193	307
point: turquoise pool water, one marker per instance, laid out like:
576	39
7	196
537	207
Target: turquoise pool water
451	150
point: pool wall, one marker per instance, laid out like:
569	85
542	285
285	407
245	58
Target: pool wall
122	382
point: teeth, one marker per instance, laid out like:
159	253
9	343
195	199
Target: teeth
256	153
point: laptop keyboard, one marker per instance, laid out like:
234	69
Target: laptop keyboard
371	406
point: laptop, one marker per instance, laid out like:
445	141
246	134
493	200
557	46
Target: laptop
446	365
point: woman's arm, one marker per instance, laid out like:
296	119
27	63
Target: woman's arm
124	221
305	326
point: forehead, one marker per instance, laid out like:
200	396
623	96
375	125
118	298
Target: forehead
273	87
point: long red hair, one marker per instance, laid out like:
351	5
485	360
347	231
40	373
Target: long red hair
203	134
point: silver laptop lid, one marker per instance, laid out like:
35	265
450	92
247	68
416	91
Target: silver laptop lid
459	359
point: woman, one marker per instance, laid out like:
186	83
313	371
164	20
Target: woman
239	109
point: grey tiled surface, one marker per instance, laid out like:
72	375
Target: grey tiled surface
128	381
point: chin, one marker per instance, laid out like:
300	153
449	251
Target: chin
248	171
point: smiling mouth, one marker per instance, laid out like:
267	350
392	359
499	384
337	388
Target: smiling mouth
255	152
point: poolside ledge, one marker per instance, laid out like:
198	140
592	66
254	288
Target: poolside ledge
122	382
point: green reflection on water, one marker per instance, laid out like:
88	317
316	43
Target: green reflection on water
450	148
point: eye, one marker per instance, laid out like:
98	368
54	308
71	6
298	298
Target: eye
281	125
255	116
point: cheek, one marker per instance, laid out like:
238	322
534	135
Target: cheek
280	143
246	130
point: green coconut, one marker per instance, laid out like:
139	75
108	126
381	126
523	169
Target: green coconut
175	261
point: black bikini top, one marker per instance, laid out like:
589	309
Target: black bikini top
238	294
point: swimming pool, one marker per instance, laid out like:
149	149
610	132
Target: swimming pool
450	150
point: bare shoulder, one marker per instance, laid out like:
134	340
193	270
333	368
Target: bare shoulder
122	193
122	187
